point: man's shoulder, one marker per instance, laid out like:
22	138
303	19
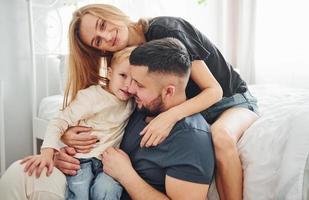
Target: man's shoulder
194	122
192	131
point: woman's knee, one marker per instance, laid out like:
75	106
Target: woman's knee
223	142
12	183
15	173
15	182
16	167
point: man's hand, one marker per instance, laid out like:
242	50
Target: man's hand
80	138
116	163
65	161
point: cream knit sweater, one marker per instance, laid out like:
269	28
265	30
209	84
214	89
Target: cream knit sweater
93	107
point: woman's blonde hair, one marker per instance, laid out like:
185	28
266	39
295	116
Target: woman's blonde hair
85	61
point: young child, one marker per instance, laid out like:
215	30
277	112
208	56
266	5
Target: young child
104	108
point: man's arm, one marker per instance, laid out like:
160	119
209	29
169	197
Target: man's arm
65	161
138	189
116	163
180	189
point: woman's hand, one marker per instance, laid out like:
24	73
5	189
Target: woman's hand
80	138
116	163
65	161
38	162
158	128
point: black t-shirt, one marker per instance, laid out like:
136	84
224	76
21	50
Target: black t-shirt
186	154
199	48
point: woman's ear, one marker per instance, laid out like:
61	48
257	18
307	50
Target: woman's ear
109	73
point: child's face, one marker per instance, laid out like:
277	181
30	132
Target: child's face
120	79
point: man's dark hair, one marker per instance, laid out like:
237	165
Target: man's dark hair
166	55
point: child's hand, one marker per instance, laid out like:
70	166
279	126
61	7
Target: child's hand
158	129
38	162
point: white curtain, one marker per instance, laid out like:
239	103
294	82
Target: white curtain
246	40
267	41
237	35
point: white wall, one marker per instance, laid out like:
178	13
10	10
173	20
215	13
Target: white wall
282	43
15	71
2	138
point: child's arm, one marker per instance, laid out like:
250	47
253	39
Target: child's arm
211	92
79	109
38	162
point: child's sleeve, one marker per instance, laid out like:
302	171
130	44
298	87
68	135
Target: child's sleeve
80	108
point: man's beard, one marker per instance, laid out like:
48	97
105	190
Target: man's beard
154	108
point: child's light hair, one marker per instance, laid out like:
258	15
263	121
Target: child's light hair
117	58
122	55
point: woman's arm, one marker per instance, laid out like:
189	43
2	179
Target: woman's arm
211	92
64	159
80	138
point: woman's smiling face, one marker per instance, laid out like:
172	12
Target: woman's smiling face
102	34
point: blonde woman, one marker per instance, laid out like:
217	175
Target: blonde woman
106	109
214	88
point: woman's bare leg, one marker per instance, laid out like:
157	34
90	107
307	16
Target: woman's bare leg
226	131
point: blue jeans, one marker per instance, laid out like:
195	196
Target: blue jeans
244	100
91	182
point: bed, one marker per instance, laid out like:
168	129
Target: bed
274	150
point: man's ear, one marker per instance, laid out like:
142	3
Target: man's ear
109	73
168	92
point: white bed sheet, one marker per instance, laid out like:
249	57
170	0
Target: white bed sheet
274	150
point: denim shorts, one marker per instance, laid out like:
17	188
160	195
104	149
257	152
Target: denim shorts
243	100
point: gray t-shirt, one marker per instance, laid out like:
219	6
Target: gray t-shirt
186	154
